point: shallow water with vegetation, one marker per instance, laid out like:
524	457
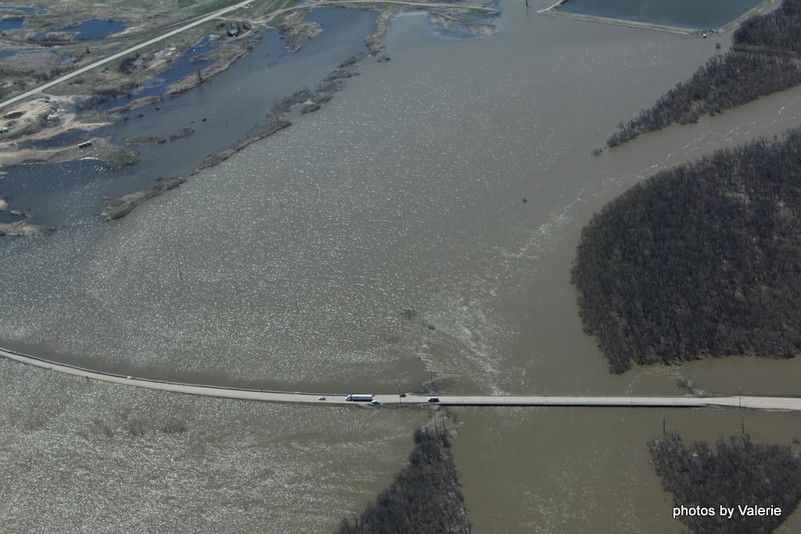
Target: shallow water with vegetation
266	75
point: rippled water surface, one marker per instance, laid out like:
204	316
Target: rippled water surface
82	456
386	238
292	264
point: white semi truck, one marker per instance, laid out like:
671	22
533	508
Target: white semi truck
359	398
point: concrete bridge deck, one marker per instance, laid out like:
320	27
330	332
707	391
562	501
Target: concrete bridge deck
597	401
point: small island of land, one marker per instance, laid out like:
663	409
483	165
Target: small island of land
700	260
760	485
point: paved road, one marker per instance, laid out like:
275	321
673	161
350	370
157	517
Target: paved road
758	403
210	17
410	3
62	79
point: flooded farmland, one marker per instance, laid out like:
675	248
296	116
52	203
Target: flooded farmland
383	239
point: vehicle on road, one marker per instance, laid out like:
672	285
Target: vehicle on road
359	398
375	402
433	399
321	397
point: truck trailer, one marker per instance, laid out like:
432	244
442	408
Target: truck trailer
359	398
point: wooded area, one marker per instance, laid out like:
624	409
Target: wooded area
762	60
732	472
425	497
699	260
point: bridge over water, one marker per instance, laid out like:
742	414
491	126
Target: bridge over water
598	401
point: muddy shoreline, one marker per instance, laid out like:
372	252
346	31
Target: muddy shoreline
73	111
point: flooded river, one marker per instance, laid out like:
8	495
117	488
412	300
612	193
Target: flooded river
564	470
386	236
422	223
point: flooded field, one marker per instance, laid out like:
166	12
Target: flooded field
422	223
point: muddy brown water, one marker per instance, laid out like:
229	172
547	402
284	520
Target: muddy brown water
566	470
291	265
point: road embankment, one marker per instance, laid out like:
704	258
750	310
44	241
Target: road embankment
574	401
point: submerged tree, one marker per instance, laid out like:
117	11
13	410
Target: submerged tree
424	498
733	472
763	60
700	260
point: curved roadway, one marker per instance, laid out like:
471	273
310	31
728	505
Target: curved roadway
751	402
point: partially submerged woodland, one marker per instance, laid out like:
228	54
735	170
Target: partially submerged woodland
734	473
763	59
700	260
425	496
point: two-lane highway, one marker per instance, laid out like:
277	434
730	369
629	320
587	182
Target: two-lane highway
595	401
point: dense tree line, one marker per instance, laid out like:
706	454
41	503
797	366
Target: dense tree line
424	498
763	60
732	472
700	260
779	30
